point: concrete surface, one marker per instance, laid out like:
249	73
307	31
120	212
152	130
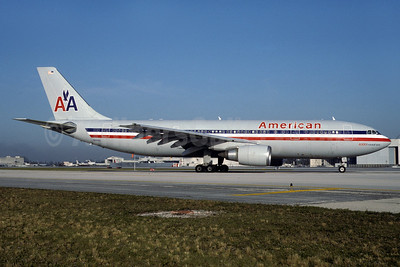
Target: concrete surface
357	189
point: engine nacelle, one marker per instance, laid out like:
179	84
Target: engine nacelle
256	155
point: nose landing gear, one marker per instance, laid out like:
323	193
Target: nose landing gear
342	165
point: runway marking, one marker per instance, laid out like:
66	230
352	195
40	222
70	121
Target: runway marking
288	191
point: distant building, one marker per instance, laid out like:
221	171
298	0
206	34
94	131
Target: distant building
112	160
320	163
9	161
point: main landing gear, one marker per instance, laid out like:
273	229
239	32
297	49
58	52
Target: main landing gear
207	165
211	168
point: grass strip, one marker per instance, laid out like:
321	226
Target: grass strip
44	227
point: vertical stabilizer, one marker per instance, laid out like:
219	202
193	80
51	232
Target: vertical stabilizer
65	102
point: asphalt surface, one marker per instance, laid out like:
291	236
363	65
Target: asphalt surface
357	189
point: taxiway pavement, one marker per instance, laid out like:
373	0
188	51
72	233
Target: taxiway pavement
357	189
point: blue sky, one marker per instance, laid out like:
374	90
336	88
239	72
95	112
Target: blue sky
198	59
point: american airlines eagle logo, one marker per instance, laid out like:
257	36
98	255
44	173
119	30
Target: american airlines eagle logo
66	102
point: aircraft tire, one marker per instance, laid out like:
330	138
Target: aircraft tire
342	169
199	168
211	168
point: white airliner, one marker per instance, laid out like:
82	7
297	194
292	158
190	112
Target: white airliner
253	142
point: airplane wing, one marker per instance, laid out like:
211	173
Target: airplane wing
191	141
67	127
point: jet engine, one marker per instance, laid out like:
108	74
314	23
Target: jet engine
256	155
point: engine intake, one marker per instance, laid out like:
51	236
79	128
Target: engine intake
256	155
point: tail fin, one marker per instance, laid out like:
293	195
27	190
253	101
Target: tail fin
65	102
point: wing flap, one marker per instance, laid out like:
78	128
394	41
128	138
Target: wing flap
181	138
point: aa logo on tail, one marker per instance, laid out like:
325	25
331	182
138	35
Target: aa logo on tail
66	102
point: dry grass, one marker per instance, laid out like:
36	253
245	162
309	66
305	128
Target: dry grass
42	227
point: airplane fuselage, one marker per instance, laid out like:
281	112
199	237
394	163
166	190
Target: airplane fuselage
287	139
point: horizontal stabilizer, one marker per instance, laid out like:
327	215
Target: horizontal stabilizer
67	127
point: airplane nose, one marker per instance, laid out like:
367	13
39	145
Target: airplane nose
386	140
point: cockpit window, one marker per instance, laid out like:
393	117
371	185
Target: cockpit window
369	132
373	132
